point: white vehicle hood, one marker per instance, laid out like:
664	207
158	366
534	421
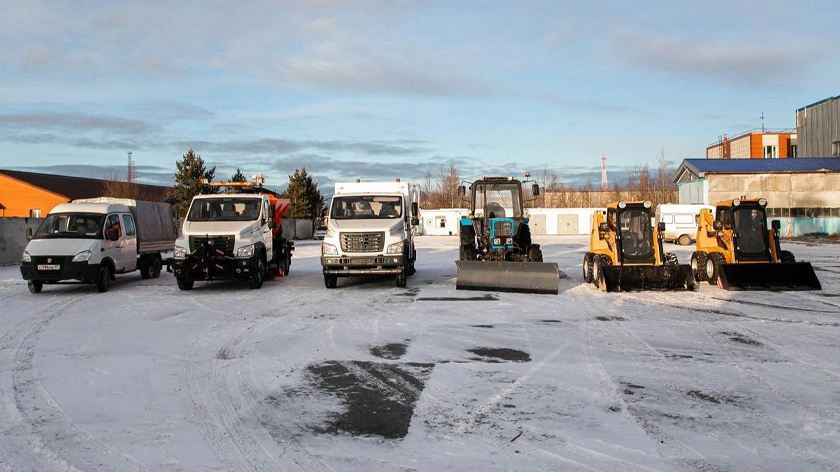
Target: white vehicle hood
59	246
216	228
368	225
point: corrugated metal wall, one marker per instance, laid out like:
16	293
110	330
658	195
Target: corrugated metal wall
817	128
811	190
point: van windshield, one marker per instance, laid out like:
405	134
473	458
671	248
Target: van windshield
364	207
225	209
71	225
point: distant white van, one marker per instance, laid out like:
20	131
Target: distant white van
680	221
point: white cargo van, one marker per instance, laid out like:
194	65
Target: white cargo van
680	221
90	241
370	230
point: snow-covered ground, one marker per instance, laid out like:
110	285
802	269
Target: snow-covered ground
373	377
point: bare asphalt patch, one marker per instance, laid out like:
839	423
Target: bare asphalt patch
499	354
390	351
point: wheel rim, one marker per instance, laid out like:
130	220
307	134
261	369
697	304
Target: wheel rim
710	268
694	264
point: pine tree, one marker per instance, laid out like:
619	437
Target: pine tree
306	201
238	176
191	170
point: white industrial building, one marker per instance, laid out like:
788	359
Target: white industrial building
544	221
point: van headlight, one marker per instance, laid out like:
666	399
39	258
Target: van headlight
26	257
245	251
396	248
83	256
180	252
329	249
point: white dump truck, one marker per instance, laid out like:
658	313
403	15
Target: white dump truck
370	230
92	240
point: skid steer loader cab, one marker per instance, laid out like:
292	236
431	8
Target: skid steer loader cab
626	253
735	250
496	251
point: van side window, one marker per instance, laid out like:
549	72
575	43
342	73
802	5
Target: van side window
667	219
684	219
112	224
128	222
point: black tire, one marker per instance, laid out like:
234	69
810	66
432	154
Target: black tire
156	266
698	265
671	259
35	286
330	280
535	254
104	279
185	283
411	269
467	241
684	240
145	268
402	277
713	266
588	259
599	261
786	257
255	281
469	252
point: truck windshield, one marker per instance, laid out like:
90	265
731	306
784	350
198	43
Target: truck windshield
71	225
636	237
752	229
225	209
365	207
502	200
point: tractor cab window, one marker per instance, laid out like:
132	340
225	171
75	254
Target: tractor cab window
636	236
751	228
497	200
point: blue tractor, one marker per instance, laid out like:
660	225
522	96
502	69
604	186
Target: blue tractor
496	251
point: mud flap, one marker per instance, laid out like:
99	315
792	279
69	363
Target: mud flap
769	276
523	277
662	277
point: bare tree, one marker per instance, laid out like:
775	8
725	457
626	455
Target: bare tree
112	186
448	181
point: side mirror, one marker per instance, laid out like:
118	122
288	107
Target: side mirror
415	209
462	190
717	225
603	228
535	189
29	234
660	227
776	225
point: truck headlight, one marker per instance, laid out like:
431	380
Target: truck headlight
83	256
497	242
180	252
245	251
26	257
329	249
396	248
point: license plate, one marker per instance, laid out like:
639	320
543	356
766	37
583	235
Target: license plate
49	267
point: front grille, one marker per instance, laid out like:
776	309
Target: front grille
502	229
362	242
220	243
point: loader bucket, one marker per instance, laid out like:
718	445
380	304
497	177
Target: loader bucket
524	277
769	276
649	277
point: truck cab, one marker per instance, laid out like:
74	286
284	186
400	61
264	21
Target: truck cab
370	230
91	242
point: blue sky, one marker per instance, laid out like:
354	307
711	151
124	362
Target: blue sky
379	89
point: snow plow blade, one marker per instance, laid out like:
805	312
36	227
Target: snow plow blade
662	277
767	276
523	277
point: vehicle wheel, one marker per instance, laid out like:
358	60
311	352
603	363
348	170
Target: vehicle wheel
587	267
411	269
684	240
535	254
255	281
468	252
185	283
671	259
786	257
402	277
156	267
713	266
698	265
598	262
104	279
145	268
35	286
330	280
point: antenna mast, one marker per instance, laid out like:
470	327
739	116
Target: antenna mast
131	169
604	183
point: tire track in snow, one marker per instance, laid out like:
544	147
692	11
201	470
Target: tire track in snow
54	442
